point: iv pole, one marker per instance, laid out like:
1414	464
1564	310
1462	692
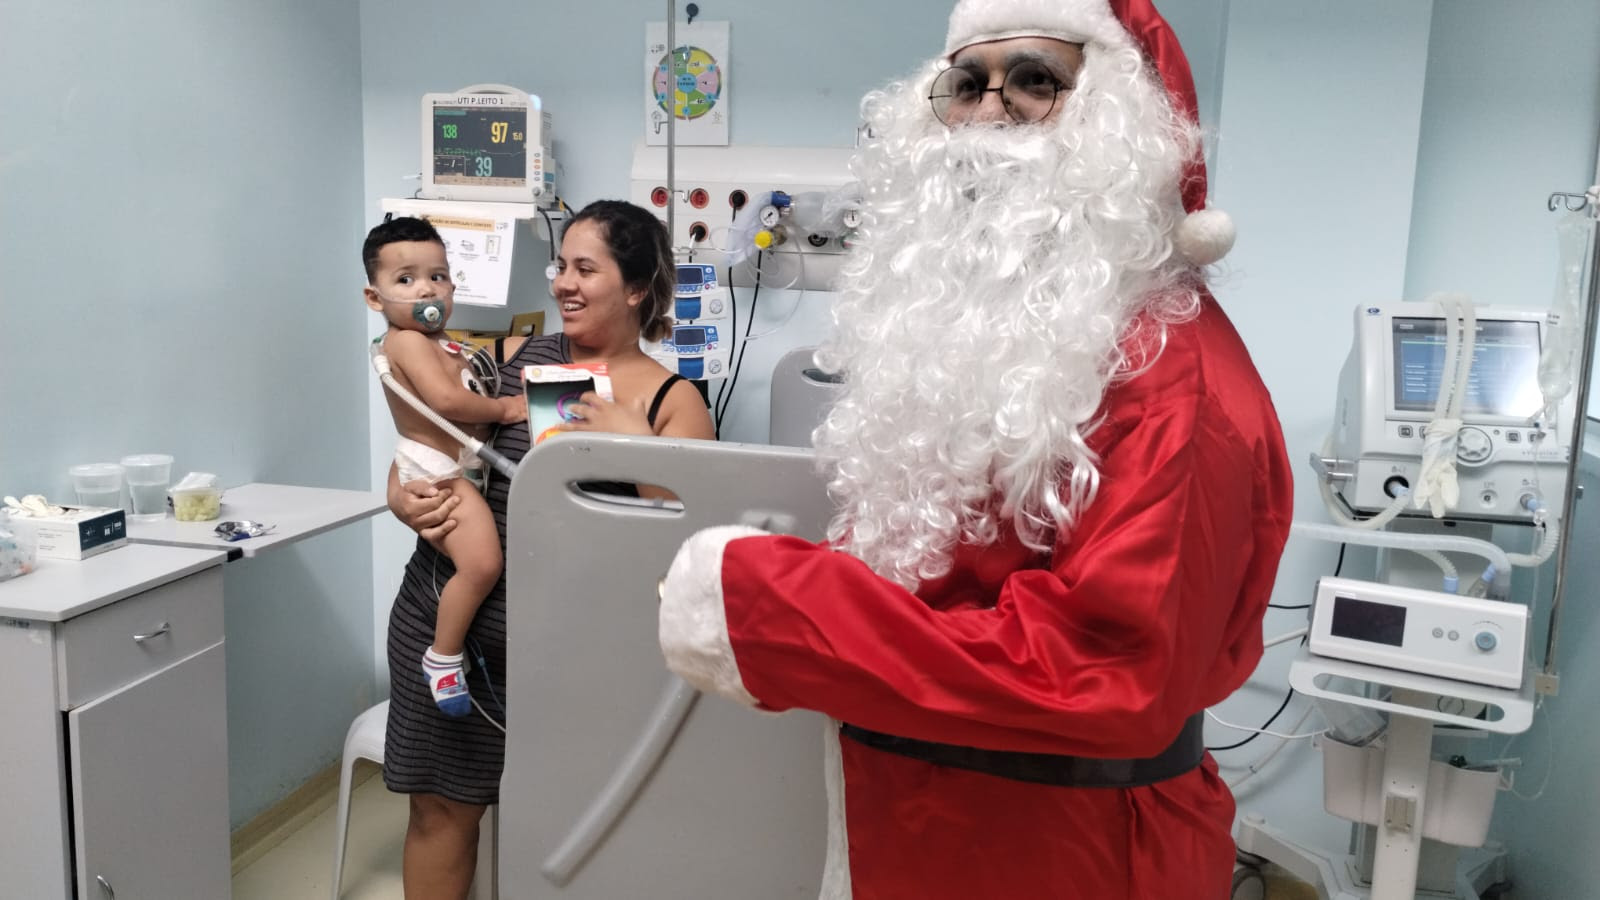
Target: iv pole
1549	680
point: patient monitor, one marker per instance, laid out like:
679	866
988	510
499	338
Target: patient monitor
1508	461
487	142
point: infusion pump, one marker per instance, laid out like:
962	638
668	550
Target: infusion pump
1506	457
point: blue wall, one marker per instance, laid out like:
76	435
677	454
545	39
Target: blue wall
179	212
1319	126
1383	151
1513	113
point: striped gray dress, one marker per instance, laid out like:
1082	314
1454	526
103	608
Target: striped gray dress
425	751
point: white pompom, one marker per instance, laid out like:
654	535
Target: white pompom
1205	236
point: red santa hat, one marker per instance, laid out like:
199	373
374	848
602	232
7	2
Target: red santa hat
1206	235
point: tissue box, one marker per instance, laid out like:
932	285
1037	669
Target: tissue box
83	532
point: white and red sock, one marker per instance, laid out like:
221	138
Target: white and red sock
447	679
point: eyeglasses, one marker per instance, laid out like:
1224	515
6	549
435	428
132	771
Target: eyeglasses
1028	93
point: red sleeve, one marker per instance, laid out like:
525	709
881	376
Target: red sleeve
1149	612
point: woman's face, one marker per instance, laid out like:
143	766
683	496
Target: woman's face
589	290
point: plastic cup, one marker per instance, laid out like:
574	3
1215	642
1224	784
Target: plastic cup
148	475
98	484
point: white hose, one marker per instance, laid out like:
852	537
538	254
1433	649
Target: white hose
1435	543
1452	351
1389	513
1552	537
380	363
1469	341
1452	577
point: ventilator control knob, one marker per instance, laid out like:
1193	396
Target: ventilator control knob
1485	641
1473	446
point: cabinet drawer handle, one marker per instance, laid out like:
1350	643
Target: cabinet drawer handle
105	887
141	638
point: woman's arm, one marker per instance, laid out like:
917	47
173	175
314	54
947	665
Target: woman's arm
683	414
421	507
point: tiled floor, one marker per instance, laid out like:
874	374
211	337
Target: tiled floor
301	868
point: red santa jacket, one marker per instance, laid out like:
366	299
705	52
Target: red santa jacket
1146	613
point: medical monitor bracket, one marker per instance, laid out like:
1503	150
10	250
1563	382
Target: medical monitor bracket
487	142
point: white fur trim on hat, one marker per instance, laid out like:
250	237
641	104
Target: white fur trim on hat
694	623
1205	236
1075	21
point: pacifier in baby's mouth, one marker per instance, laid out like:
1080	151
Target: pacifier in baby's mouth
429	314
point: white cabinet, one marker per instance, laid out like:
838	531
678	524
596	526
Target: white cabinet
114	750
149	768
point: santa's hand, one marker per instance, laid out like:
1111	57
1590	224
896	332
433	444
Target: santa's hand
693	623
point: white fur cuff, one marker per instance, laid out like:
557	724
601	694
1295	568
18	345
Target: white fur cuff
694	623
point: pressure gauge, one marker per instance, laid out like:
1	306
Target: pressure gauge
770	216
852	219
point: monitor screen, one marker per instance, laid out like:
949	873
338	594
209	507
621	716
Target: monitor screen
689	336
1503	381
691	275
480	145
1364	620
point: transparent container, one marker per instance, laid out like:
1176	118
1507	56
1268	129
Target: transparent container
148	476
97	484
196	498
17	551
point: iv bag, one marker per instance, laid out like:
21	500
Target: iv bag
1559	361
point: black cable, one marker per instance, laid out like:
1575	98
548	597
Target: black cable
744	344
733	329
1337	568
1264	726
551	228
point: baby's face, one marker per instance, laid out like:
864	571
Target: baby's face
412	286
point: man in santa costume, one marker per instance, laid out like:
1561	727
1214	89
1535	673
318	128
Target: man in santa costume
1062	489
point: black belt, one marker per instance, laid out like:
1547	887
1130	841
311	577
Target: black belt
1048	768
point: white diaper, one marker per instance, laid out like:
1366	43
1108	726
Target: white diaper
418	461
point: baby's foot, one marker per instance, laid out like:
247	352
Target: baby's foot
448	681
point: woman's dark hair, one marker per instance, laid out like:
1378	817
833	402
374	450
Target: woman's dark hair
638	241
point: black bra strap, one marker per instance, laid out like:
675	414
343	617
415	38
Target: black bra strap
661	394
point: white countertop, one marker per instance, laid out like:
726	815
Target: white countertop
58	589
296	512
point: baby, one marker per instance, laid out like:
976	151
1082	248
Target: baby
408	282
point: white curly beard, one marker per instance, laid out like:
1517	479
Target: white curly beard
1000	274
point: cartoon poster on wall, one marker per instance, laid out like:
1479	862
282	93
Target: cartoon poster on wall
691	81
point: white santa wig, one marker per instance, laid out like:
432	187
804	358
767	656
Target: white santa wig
1004	276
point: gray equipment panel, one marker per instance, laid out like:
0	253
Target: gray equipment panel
801	396
680	798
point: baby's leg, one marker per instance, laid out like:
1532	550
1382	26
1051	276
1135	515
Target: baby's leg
474	548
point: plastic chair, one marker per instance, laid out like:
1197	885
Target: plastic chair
364	740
